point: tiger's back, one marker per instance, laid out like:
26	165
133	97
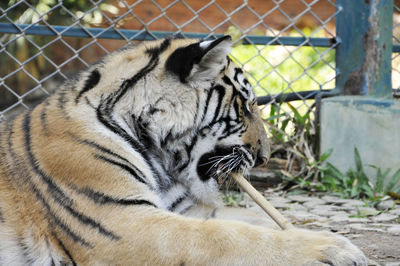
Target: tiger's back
106	170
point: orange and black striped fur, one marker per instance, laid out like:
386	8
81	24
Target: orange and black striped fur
120	166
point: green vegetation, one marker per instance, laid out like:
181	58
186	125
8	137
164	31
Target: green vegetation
234	199
54	13
292	127
273	69
289	127
354	183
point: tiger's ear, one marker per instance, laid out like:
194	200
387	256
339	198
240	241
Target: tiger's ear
199	61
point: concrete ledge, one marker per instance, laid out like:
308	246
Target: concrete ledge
370	124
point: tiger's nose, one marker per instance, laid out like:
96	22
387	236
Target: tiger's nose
261	161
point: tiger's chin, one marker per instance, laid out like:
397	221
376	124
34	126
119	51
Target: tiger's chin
222	161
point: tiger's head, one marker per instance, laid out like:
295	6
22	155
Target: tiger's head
229	132
185	103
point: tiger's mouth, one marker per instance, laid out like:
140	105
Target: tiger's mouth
224	160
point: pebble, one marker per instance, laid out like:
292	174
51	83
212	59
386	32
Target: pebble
392	263
345	217
334	213
296	207
280	204
356	226
385	205
334	200
381	225
394	229
372	263
272	197
314	202
366	211
324	211
395	211
342	217
300	198
353	203
358	219
364	227
302	216
384	217
348	208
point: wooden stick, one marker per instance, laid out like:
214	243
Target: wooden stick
262	202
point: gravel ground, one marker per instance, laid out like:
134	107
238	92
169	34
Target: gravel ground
375	230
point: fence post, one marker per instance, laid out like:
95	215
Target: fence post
364	55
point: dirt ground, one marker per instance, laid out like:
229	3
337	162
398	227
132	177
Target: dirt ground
380	247
376	231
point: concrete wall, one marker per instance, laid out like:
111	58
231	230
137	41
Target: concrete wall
372	125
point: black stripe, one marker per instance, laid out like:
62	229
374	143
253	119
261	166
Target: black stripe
57	221
221	93
43	116
197	106
66	251
56	192
209	95
237	72
185	209
235	105
213	213
172	137
106	106
89	103
90	83
329	262
129	83
177	202
40	197
1	217
188	149
141	132
61	101
228	81
231	132
97	146
25	253
156	51
139	174
125	167
103	199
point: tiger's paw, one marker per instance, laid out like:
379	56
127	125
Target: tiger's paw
324	248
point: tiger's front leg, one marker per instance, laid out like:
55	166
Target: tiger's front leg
161	238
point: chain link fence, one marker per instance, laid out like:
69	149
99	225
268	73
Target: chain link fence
287	48
35	64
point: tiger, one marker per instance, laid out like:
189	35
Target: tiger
122	166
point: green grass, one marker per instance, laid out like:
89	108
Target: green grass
296	68
354	183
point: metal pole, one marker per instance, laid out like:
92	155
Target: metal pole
364	55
